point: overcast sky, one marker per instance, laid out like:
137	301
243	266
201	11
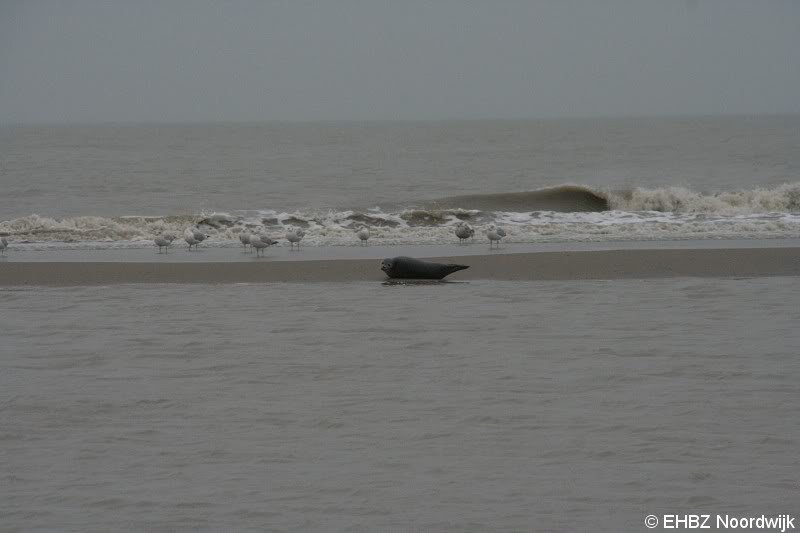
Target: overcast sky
196	60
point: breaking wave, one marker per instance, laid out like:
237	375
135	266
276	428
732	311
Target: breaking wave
563	198
563	213
578	198
785	199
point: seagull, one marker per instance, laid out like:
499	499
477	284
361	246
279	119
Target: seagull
259	242
464	231
266	239
495	234
190	240
294	236
3	245
193	237
164	241
199	235
244	237
363	234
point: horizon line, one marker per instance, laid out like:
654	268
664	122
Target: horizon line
192	122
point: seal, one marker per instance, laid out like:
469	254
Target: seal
409	268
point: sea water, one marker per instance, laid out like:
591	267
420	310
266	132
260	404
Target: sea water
468	406
480	406
119	186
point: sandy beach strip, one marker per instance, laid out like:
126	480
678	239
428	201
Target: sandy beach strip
575	265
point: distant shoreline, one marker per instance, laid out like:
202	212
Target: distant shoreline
534	266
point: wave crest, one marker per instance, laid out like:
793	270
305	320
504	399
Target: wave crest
562	198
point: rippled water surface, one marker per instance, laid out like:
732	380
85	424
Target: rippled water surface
116	170
461	407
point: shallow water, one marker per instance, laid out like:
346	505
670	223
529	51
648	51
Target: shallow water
472	406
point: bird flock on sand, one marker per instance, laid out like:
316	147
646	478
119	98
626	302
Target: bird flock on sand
260	241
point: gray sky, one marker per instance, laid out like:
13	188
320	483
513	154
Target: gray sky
196	60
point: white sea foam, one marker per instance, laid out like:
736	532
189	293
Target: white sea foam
539	227
785	198
638	214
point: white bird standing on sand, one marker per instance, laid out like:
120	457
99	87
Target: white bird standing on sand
294	236
259	242
266	239
199	235
363	234
164	241
190	240
193	237
3	245
495	234
464	231
244	238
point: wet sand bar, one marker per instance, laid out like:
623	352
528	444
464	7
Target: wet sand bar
562	265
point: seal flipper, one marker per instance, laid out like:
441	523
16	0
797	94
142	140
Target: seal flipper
454	268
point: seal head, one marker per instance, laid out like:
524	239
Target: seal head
409	268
